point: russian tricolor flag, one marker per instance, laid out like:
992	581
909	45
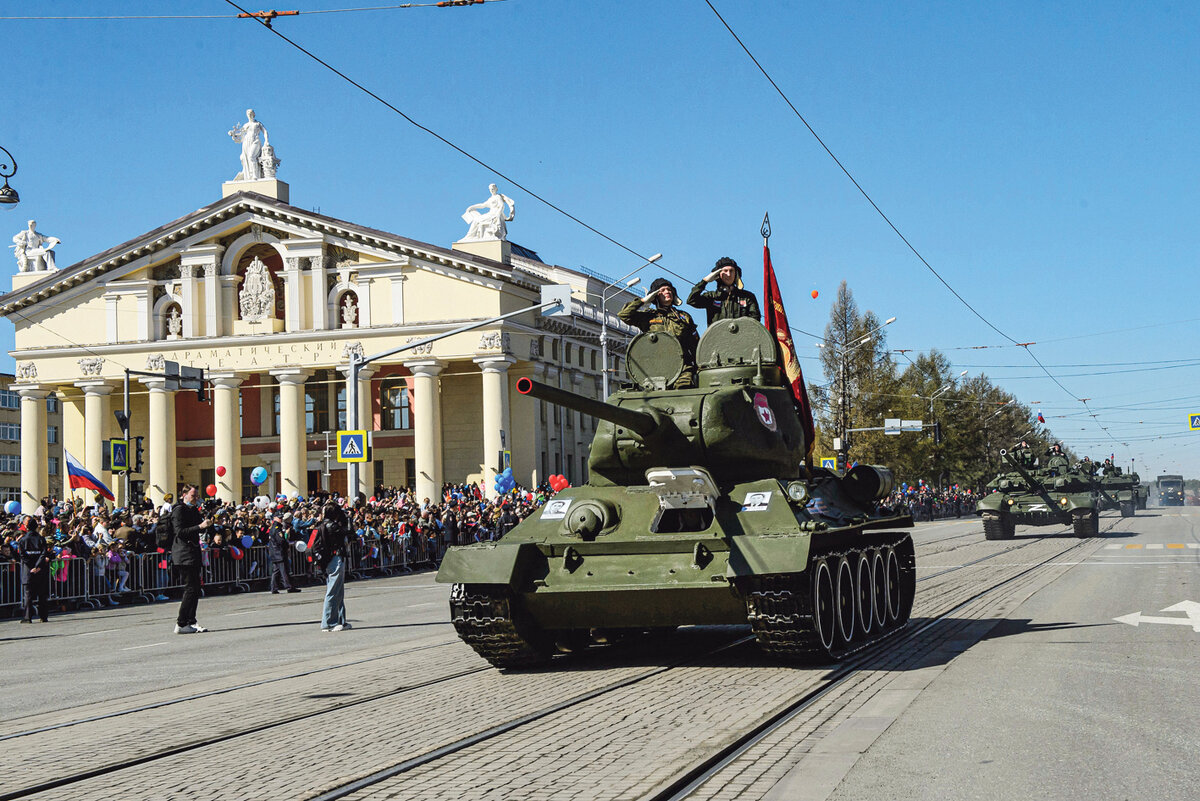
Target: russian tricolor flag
1040	418
81	479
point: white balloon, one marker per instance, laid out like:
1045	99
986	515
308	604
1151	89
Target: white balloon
301	546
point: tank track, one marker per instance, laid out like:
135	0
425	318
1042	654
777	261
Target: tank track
485	618
995	527
1086	525
780	609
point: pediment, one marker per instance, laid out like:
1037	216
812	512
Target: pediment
157	256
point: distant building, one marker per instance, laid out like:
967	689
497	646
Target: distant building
12	436
270	299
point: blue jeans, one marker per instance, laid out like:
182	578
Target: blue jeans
334	613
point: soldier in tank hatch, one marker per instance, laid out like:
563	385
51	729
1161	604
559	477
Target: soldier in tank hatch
667	318
1056	460
1024	455
730	299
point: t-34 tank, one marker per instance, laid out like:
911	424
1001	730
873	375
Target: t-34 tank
1039	498
698	510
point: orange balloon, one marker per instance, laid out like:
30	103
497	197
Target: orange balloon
814	294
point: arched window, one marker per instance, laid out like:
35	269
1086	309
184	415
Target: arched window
394	404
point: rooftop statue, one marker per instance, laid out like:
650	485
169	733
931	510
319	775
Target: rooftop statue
486	219
248	134
34	251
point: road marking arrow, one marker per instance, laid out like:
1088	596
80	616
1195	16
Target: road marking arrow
1190	608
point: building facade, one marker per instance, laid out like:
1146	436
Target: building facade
271	300
12	436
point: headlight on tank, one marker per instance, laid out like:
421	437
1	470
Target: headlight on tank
1011	501
1063	502
797	492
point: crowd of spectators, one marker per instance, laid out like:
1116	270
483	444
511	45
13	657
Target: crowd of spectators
386	528
924	502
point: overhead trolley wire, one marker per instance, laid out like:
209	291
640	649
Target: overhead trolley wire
880	211
395	6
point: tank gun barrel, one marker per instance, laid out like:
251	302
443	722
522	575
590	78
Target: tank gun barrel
638	422
1034	484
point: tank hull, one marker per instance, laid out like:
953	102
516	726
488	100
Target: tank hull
749	556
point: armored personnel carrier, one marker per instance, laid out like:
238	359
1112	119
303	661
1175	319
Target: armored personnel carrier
1039	498
698	510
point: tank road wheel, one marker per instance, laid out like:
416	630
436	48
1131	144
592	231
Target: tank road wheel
824	609
864	594
489	619
879	588
845	596
1087	524
906	579
892	582
998	527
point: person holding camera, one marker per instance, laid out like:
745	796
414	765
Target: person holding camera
330	550
186	525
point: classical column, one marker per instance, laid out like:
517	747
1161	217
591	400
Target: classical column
319	293
495	414
292	312
427	436
213	306
227	439
34	478
293	453
191	300
97	411
161	440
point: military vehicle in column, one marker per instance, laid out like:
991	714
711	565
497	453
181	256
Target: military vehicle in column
1120	490
1170	490
1039	497
698	510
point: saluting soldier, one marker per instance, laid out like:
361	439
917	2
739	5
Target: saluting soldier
1056	460
667	318
730	299
33	550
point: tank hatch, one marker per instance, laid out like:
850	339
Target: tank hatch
654	360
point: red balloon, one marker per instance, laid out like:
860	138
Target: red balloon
371	499
814	294
220	471
211	489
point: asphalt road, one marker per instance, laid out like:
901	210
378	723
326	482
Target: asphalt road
1041	694
1060	700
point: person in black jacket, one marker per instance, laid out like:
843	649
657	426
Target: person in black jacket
330	547
278	556
186	525
33	552
730	299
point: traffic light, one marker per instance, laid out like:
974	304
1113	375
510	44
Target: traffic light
937	433
137	454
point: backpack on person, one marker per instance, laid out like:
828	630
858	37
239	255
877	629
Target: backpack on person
164	532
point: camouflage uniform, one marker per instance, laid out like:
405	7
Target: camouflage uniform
672	321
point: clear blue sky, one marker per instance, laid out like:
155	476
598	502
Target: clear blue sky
1041	156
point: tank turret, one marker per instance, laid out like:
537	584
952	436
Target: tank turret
740	423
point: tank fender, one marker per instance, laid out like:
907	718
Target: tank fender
763	554
489	563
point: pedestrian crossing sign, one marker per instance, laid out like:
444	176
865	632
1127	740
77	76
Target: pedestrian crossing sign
352	446
829	462
1194	422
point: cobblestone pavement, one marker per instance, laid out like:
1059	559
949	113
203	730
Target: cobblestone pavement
625	743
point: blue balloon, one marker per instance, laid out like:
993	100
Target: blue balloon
247	540
12	507
258	475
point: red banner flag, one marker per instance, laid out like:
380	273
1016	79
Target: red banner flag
776	322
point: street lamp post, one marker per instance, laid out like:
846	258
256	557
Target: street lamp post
604	299
8	196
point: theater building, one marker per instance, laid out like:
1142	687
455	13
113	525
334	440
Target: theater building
270	300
